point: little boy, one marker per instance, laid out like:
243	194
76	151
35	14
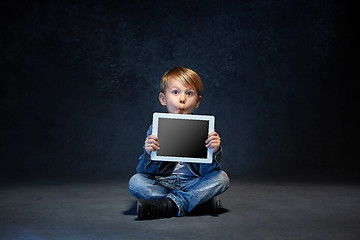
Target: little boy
167	189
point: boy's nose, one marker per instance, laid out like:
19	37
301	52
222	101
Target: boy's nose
182	98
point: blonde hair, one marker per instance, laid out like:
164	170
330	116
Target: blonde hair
186	76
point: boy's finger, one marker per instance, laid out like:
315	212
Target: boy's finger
152	141
155	145
152	137
213	142
212	138
213	135
152	148
213	132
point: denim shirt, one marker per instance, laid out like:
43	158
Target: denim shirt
160	168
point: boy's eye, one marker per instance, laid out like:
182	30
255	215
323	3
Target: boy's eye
175	91
190	93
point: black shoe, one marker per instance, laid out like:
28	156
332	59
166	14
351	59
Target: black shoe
153	209
212	206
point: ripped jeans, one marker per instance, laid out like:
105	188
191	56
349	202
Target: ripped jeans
185	192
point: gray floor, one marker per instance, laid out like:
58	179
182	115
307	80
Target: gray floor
252	210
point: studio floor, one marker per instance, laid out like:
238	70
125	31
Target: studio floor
251	210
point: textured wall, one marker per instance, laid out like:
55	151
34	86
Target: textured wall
79	83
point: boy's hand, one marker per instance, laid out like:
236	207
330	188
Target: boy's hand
151	144
213	141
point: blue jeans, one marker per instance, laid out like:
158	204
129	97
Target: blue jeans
186	192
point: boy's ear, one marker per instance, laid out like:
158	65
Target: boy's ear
198	102
162	98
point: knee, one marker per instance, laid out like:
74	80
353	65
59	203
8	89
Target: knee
134	184
134	179
224	179
221	179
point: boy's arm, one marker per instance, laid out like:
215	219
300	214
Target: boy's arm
146	165
151	144
218	155
213	141
216	164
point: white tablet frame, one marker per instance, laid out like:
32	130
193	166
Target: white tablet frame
156	117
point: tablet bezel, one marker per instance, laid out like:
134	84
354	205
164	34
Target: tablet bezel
210	119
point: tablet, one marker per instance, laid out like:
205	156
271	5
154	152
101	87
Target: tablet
182	137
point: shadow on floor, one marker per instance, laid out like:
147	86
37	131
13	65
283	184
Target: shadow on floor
131	210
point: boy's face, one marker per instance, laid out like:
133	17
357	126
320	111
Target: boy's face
179	98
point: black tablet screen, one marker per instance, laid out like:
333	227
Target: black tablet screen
182	137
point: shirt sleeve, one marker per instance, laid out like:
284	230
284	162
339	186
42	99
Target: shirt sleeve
218	155
146	165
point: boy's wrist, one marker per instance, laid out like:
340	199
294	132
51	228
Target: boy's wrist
219	149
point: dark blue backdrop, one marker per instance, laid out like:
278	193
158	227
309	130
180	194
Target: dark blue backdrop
80	79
